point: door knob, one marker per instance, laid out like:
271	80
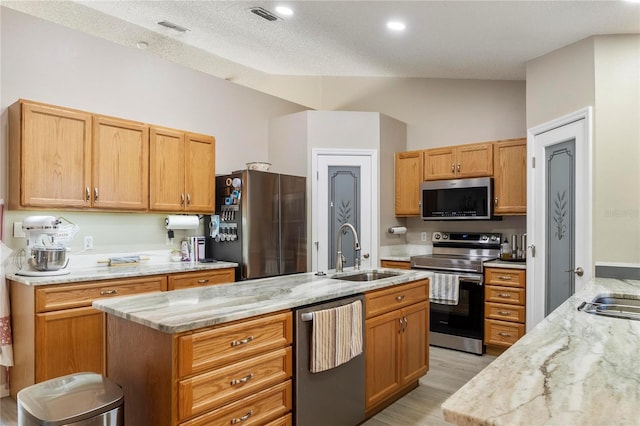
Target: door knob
366	255
578	271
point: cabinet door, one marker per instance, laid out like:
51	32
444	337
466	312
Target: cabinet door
382	359
50	151
408	175
474	160
439	163
200	173
120	164
398	264
415	346
68	342
167	170
510	177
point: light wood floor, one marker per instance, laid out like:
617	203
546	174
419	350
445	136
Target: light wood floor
448	371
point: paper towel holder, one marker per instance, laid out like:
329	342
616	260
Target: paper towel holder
397	230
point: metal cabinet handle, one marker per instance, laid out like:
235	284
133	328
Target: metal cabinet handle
107	292
495	201
182	199
242	419
504	294
458	167
188	199
242	341
203	281
403	324
504	277
95	194
453	168
578	271
399	298
87	194
504	313
245	379
503	334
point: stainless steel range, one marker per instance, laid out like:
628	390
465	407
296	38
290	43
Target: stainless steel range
460	326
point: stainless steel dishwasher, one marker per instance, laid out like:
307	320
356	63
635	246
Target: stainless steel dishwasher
332	397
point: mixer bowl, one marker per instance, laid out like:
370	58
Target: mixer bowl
48	258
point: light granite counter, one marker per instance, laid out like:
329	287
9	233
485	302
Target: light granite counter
505	264
96	273
189	309
573	368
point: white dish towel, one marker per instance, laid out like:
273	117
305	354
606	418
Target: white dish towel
336	336
445	289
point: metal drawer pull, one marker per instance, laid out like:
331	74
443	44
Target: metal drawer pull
243	418
245	379
106	292
504	294
203	281
503	334
399	298
504	312
504	277
241	341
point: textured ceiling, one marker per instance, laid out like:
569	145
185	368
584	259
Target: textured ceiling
443	39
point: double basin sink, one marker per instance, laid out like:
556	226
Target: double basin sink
366	276
626	306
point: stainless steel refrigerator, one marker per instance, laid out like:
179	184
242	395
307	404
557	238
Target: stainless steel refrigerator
260	224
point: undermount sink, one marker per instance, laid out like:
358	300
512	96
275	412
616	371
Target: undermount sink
366	276
625	306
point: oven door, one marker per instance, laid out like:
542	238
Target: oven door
466	319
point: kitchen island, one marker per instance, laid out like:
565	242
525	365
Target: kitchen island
223	353
572	368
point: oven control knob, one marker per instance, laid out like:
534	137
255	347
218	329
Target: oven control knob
484	238
494	238
436	235
445	236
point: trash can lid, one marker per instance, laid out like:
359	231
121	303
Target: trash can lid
69	399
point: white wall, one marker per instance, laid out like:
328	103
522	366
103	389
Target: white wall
46	62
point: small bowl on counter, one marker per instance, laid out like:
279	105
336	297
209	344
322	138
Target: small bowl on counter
259	166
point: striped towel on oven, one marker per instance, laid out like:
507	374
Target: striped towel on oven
336	336
445	289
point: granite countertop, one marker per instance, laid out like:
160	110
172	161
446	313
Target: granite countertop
104	272
189	309
572	368
505	264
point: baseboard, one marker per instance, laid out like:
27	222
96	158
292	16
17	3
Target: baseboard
4	391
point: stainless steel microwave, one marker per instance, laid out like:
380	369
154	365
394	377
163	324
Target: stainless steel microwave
457	199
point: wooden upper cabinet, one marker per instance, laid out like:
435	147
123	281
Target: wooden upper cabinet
120	171
456	162
408	175
182	170
510	177
49	156
200	174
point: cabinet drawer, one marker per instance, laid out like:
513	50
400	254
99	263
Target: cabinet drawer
229	343
197	279
221	386
399	264
256	409
501	312
505	277
510	295
285	420
502	333
58	297
381	301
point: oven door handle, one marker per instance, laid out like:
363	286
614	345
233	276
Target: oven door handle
475	280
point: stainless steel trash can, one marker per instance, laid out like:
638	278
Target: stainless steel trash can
82	399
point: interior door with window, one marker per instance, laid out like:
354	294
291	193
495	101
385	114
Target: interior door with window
559	215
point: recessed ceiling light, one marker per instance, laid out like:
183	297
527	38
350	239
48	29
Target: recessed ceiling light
284	10
396	26
142	45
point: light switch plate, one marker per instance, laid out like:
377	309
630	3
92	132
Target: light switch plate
423	236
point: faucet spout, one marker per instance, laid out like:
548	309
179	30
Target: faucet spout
339	257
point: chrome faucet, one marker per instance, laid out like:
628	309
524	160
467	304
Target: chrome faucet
339	256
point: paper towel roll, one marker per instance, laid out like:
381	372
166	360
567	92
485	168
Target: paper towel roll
397	230
181	221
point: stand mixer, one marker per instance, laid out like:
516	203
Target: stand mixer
46	252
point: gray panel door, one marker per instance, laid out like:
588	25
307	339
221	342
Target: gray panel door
560	229
344	207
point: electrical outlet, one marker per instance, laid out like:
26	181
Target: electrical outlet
88	242
17	230
423	236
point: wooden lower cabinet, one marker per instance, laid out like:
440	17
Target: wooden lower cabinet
234	373
504	308
199	279
397	347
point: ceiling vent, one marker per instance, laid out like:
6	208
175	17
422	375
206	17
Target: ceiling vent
264	13
173	26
